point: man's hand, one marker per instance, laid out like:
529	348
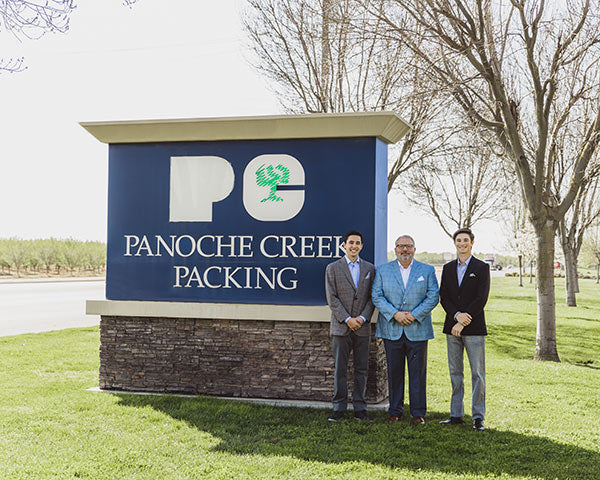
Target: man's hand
456	329
404	318
463	318
354	323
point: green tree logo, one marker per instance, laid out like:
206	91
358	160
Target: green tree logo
271	177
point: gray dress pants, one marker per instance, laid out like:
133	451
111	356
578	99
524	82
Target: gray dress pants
475	347
341	346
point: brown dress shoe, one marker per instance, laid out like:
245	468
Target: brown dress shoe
418	420
393	419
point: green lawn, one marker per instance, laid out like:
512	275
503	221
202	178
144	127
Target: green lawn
543	419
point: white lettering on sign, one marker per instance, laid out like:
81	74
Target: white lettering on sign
263	248
179	275
196	183
236	277
189	246
199	246
273	187
286	246
306	246
130	241
324	245
229	277
232	246
161	242
245	246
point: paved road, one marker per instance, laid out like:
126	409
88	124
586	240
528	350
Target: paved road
31	307
42	306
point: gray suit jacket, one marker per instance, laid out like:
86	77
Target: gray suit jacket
347	301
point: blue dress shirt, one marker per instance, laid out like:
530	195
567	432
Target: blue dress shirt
461	269
354	269
355	273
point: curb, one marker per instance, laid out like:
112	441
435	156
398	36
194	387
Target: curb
257	401
52	280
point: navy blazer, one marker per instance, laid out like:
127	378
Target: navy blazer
470	297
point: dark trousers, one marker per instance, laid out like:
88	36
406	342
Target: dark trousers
341	346
415	354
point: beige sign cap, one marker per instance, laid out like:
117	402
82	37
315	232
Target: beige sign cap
386	126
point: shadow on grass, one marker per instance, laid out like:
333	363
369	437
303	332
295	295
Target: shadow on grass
514	341
305	434
503	298
519	313
579	319
518	341
587	364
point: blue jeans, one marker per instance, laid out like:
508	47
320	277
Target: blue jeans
415	353
475	347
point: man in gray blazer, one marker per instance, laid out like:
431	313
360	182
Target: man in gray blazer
348	283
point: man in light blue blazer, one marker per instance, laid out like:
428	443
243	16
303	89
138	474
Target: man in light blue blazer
405	292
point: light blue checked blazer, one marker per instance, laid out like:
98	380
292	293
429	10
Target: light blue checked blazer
419	297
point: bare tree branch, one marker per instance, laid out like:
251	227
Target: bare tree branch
523	96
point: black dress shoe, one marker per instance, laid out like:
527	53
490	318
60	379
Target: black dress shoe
336	415
478	425
361	415
453	421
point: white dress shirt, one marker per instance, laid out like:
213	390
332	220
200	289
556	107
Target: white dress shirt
405	272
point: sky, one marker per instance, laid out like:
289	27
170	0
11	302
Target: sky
118	63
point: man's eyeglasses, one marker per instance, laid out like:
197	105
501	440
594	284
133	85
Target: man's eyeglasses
402	247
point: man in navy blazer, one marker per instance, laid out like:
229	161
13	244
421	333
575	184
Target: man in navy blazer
464	293
405	292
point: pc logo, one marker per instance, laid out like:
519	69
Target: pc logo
272	187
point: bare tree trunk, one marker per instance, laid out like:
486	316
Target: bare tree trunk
545	342
570	277
326	54
531	271
570	269
570	247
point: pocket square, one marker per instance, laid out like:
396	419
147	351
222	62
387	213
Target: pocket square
367	275
421	279
472	275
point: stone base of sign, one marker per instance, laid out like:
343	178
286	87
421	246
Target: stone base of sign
233	358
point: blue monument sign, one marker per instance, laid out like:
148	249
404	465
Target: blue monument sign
219	232
209	217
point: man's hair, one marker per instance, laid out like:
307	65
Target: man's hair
353	232
463	230
407	236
